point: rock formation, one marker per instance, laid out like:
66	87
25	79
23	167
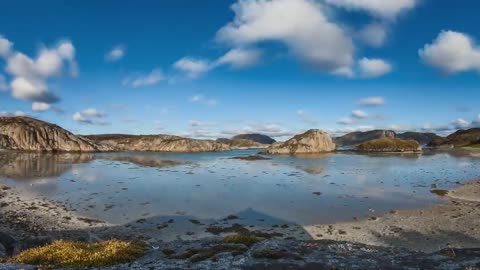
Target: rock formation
28	134
259	138
390	145
359	137
242	143
157	143
311	142
459	139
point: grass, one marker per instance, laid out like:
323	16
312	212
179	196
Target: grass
475	145
71	254
439	192
246	239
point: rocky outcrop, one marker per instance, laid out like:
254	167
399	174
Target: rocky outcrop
313	141
157	143
389	145
259	138
28	134
459	139
420	137
359	137
242	143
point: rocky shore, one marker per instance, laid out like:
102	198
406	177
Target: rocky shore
444	236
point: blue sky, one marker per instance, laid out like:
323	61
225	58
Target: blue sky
212	68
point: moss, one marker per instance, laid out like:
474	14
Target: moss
475	145
439	192
197	255
246	239
81	255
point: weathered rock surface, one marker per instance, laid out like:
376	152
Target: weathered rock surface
157	143
421	137
359	137
242	143
459	139
28	134
311	142
389	145
259	138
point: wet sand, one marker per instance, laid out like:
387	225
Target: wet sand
455	223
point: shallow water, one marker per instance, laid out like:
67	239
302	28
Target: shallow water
123	187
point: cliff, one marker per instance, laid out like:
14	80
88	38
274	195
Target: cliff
310	142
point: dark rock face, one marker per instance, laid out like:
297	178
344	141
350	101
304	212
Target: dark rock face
28	134
421	138
459	139
359	137
157	143
259	138
389	145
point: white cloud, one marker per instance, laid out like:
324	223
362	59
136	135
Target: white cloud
359	114
461	123
452	52
373	68
31	75
115	54
79	117
383	8
307	118
192	67
93	112
3	83
374	34
346	121
476	122
152	78
201	99
16	113
240	58
40	106
19	113
5	46
371	101
299	24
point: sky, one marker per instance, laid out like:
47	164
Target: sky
209	69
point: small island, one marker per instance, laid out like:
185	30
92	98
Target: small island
389	145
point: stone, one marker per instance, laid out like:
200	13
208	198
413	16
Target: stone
313	141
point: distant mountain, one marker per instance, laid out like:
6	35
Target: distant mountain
29	134
157	143
421	138
359	137
259	138
241	143
313	141
459	138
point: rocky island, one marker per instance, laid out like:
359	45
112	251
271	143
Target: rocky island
313	141
389	145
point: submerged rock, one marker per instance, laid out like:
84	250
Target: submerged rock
29	134
313	141
390	145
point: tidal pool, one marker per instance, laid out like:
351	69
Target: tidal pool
123	187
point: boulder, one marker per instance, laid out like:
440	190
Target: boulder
313	141
390	145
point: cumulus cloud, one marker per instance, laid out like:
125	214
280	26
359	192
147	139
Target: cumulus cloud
371	101
359	114
374	34
30	76
115	54
16	113
93	112
81	118
461	123
452	52
3	83
192	67
40	106
382	8
346	121
240	58
373	68
141	80
307	118
5	46
307	32
203	100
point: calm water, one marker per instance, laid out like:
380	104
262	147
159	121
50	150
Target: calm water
120	188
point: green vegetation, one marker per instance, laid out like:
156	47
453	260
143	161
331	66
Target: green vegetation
389	145
475	145
246	239
439	192
81	255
